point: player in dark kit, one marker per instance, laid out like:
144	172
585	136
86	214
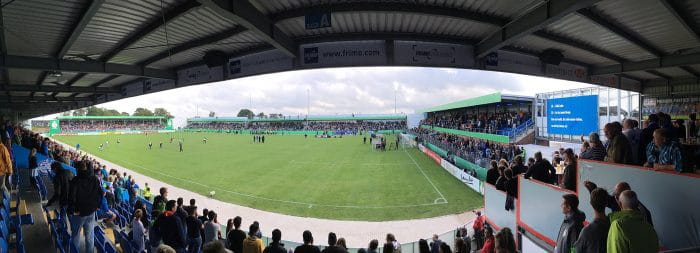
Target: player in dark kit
262	138
150	145
364	140
180	143
161	144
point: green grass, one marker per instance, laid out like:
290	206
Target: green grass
324	178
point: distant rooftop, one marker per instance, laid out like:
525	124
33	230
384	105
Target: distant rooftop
476	101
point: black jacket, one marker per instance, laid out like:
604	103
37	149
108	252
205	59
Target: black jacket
569	180
234	240
334	249
511	186
170	229
85	193
275	247
492	176
541	171
61	189
569	231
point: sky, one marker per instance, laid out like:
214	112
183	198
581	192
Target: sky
359	90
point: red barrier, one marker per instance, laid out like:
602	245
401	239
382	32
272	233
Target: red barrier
432	154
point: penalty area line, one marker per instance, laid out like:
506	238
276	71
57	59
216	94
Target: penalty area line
426	178
309	205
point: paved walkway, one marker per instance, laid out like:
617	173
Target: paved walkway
356	233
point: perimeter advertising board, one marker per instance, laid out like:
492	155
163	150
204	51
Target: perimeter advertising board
416	53
347	53
572	115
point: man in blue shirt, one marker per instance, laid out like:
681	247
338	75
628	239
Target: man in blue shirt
662	153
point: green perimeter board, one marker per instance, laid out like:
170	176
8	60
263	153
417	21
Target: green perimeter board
337	178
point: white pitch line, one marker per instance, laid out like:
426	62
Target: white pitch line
284	201
426	176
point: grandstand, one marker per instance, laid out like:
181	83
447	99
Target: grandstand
58	56
86	125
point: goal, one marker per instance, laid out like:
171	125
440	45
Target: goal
408	141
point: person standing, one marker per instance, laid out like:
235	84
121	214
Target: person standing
646	137
252	244
170	228
235	237
541	170
212	229
84	197
5	165
569	181
571	226
308	246
275	246
332	247
194	225
619	149
594	237
435	244
630	232
138	232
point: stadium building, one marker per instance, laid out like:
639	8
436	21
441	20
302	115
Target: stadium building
639	123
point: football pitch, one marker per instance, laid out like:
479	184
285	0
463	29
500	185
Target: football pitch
336	178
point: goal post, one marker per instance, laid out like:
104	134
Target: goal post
407	141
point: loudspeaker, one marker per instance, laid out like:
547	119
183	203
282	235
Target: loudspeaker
551	56
215	58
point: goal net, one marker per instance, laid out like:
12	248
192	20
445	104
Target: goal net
407	141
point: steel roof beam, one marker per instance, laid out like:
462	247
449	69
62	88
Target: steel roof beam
392	7
681	14
37	63
155	24
104	80
536	19
690	70
78	28
659	74
46	88
3	51
577	44
43	99
656	63
620	30
193	44
244	13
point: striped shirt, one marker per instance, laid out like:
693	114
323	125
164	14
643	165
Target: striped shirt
669	153
594	153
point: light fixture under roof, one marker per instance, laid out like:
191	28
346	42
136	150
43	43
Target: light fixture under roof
55	74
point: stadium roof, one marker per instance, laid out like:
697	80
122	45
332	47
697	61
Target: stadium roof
61	55
107	117
482	100
310	118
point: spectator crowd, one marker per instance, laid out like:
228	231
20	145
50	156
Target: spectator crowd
68	126
477	122
338	127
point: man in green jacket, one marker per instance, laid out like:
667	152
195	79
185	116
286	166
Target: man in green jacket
629	232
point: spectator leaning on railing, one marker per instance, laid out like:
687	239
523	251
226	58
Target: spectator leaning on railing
663	153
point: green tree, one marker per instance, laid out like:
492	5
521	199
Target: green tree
80	112
246	113
162	112
142	112
124	114
212	114
262	115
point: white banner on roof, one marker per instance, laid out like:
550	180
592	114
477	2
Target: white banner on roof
263	62
513	62
199	74
346	53
567	71
433	54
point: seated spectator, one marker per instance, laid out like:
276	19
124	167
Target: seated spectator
252	244
569	181
664	154
619	149
332	247
630	232
489	244
275	246
492	174
504	241
571	226
308	246
612	201
596	151
594	237
542	170
235	237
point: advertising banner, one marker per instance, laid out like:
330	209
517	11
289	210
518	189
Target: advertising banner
263	62
572	115
605	80
199	74
458	173
348	53
433	54
318	20
155	85
54	127
513	62
567	71
432	155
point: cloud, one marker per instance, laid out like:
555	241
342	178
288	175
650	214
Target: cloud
340	91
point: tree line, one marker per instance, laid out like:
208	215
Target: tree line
100	111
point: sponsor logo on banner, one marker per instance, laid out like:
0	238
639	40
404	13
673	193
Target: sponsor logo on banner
513	62
429	53
199	74
263	62
567	71
472	182
317	20
347	53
